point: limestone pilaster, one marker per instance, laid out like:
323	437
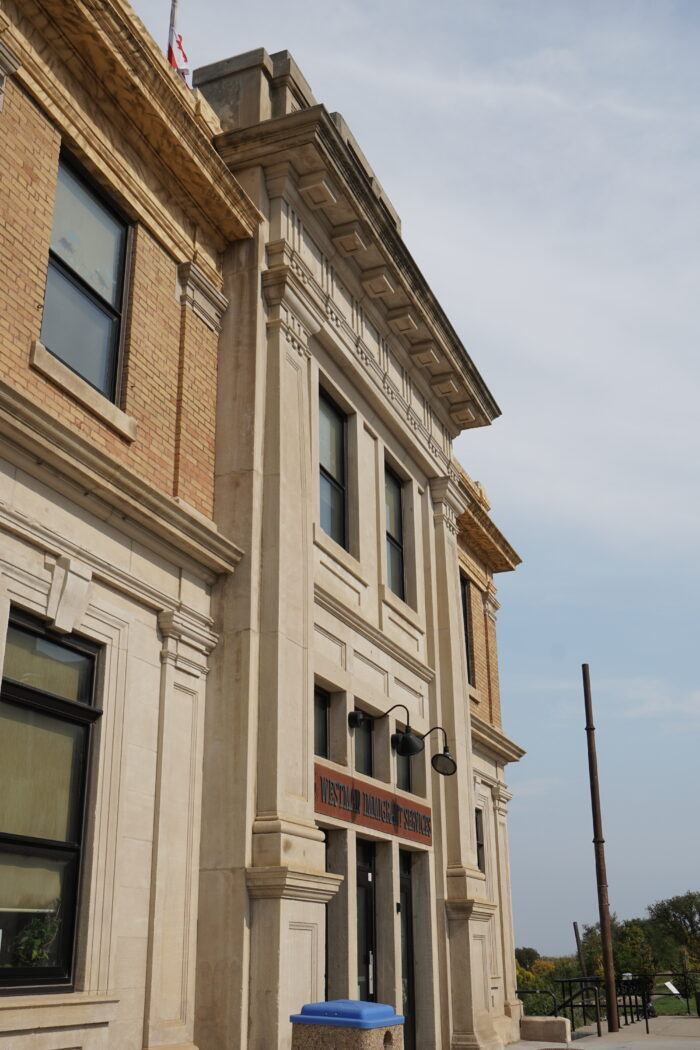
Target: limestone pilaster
170	982
513	1005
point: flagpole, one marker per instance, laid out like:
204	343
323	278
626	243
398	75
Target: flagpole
173	20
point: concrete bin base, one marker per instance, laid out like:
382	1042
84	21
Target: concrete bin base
347	1024
545	1029
323	1037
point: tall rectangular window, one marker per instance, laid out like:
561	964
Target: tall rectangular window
465	588
46	711
85	283
394	533
332	428
403	772
322	704
480	856
364	749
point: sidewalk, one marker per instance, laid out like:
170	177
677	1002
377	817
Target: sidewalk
665	1033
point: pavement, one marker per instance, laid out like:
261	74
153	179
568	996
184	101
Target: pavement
665	1033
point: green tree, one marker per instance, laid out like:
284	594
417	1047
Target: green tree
679	917
525	957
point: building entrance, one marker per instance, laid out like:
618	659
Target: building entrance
407	966
366	921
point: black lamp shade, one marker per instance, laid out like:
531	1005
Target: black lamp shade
407	743
443	763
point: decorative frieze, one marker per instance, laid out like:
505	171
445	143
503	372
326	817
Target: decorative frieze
203	298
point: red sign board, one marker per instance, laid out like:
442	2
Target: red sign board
357	802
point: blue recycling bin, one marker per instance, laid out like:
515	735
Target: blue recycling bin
347	1024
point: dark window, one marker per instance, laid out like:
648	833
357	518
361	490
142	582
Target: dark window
332	465
394	533
322	704
480	858
85	283
364	752
403	771
467	620
46	711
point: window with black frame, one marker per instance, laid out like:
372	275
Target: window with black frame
322	707
85	283
394	534
480	853
46	713
332	427
465	589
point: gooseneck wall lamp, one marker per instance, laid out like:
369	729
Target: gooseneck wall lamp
407	742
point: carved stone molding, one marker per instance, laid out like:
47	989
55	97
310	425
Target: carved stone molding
491	606
203	298
187	641
69	594
501	798
318	190
378	282
274	883
350	239
9	64
448	502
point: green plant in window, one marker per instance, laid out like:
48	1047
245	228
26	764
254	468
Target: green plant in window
32	945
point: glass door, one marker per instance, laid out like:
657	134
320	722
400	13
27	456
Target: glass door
366	925
407	968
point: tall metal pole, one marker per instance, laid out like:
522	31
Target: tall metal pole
579	950
601	877
173	22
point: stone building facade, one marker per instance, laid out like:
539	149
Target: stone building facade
240	569
357	868
114	211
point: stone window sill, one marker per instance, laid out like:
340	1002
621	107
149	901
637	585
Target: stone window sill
338	553
401	607
48	365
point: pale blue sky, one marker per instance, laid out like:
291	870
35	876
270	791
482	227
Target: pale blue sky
544	158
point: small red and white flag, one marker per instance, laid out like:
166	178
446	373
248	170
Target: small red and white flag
177	56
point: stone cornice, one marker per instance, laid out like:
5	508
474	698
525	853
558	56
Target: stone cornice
494	741
102	42
290	137
46	448
478	533
288	283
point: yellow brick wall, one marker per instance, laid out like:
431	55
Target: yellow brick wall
169	372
